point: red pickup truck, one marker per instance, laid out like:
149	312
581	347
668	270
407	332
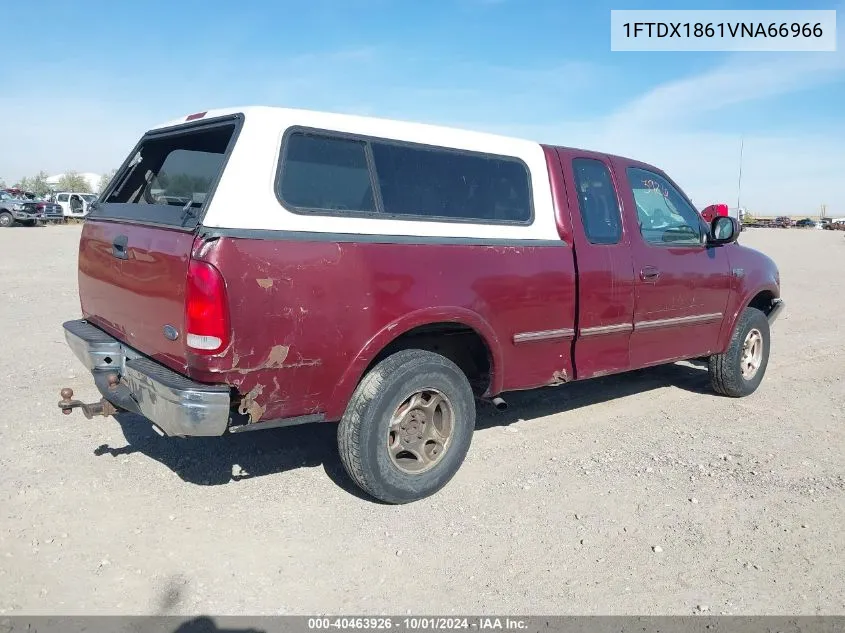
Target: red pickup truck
262	267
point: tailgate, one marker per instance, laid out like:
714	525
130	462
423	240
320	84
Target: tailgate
135	298
137	243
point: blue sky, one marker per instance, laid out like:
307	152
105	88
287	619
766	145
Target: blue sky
83	80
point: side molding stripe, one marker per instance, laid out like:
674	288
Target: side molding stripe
543	335
687	320
599	330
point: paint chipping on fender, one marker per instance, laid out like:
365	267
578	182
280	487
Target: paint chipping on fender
559	377
265	283
250	407
277	357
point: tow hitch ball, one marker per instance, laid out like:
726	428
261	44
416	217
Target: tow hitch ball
67	404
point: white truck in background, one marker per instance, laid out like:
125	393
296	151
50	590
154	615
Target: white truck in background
75	205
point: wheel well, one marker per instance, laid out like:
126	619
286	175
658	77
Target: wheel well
459	343
763	301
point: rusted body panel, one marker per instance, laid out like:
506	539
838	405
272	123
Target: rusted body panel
309	316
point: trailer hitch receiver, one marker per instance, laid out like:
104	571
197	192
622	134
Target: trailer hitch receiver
68	404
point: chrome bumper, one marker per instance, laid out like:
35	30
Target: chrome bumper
175	404
778	306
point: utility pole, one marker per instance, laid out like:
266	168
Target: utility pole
824	211
739	184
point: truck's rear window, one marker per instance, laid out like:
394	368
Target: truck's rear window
169	178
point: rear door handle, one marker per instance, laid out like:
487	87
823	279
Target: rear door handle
649	273
118	247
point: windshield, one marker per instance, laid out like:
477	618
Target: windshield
89	197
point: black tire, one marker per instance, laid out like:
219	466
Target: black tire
726	369
6	220
364	430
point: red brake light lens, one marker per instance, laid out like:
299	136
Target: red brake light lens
206	309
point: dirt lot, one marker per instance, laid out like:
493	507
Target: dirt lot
635	494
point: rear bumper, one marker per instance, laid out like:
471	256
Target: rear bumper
175	404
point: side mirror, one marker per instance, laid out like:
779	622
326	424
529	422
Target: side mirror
723	230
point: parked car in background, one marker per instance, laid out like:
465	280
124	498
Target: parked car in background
20	193
44	211
26	211
75	205
806	223
783	222
10	206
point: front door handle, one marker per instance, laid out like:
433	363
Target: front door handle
649	273
118	247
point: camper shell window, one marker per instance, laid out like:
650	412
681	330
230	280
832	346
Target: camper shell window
327	173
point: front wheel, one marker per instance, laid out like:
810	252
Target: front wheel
739	370
6	220
408	426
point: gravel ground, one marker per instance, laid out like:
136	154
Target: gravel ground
642	493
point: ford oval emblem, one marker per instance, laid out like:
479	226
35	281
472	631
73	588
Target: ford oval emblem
170	333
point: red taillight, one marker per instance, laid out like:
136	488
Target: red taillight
194	117
206	309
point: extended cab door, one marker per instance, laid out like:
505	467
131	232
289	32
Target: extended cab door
682	285
604	264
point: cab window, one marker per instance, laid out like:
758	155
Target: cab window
664	215
597	201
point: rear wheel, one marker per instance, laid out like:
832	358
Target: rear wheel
740	369
408	426
6	220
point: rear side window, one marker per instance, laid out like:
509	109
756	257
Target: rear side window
445	184
597	201
62	197
170	177
329	175
326	173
